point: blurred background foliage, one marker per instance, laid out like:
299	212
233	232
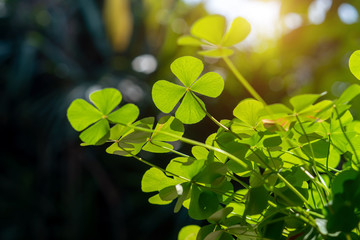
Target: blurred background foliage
52	52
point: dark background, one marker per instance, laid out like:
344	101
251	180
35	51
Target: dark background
52	52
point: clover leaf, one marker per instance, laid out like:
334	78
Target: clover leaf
209	32
354	64
157	142
247	121
95	120
129	142
192	109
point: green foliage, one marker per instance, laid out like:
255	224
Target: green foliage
192	109
296	170
354	64
82	114
210	32
189	232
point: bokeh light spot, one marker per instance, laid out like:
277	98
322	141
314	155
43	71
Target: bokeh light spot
347	13
131	91
317	11
144	63
292	21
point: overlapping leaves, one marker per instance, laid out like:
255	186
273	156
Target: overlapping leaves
129	142
187	69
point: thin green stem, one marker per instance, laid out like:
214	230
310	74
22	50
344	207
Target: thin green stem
242	80
170	150
192	142
346	136
232	196
238	180
313	163
305	160
294	190
254	152
219	124
155	166
329	140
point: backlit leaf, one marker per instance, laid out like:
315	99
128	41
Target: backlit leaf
124	149
96	133
157	200
354	64
247	111
210	84
82	114
349	94
186	167
155	180
275	109
199	152
210	140
189	41
187	69
166	95
189	232
190	111
238	31
118	130
157	147
125	115
300	102
129	141
170	125
211	28
106	99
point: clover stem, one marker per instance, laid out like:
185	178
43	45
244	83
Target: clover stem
238	180
294	190
313	164
346	137
178	176
170	150
208	114
243	81
154	166
192	142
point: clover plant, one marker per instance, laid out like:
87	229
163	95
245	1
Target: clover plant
272	172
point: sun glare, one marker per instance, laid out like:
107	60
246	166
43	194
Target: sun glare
263	16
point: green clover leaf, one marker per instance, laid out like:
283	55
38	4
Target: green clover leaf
129	142
95	120
247	121
209	32
354	64
192	109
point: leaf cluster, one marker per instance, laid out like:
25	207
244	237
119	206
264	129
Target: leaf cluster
272	172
